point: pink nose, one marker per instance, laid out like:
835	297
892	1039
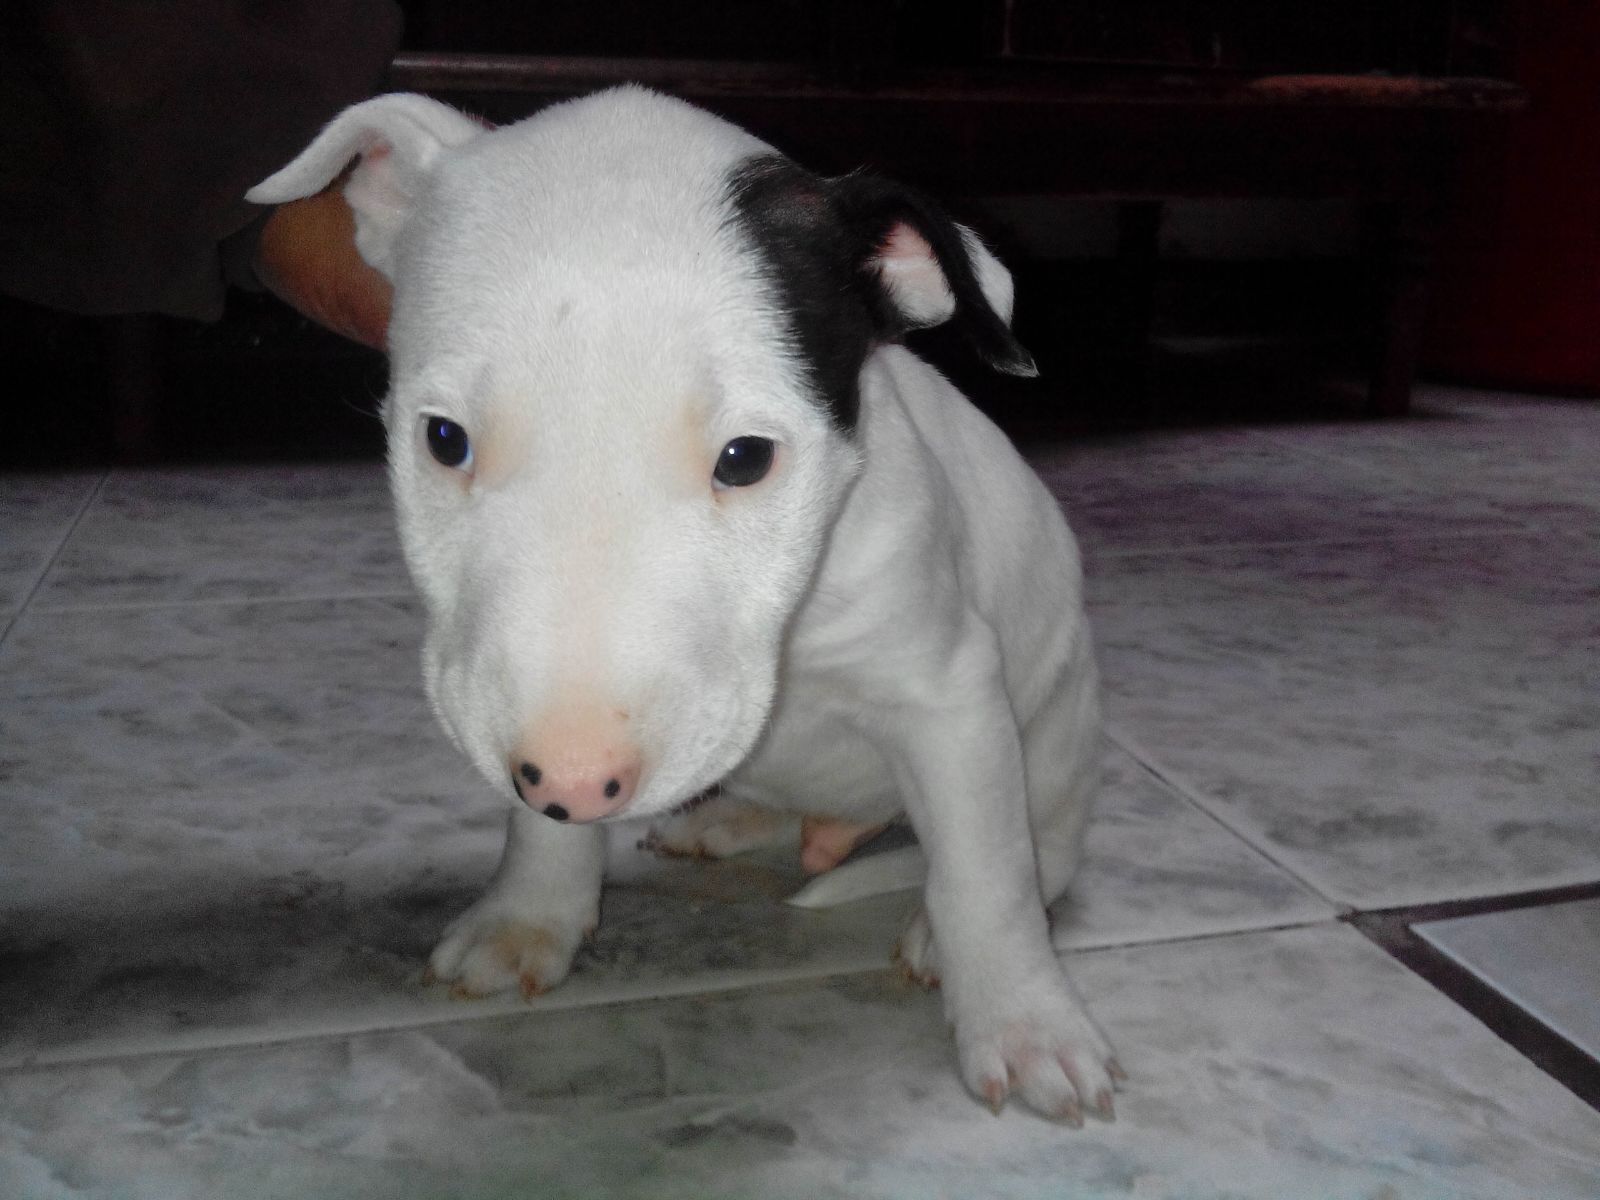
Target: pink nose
576	768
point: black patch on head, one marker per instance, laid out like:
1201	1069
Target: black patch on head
819	238
788	213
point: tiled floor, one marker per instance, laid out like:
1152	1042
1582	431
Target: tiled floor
1347	668
1535	956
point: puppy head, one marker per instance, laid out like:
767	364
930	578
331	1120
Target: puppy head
626	348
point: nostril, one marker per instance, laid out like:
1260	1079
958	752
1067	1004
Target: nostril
573	769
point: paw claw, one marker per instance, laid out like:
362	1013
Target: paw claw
1055	1057
910	973
1114	1069
484	953
915	954
994	1095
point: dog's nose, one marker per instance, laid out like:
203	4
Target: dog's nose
576	768
582	793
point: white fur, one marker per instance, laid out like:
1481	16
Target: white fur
887	623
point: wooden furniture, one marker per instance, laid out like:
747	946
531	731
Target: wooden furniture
1133	101
1136	100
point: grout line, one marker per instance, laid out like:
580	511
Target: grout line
1561	1059
44	571
1328	920
333	1029
1470	904
1392	930
1192	795
1477	906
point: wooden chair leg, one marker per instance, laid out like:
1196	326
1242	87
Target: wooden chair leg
1405	234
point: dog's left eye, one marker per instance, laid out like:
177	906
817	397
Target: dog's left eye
743	461
448	443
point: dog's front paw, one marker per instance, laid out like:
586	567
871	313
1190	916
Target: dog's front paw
486	950
1047	1052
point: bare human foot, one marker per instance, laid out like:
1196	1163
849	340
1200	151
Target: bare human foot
307	258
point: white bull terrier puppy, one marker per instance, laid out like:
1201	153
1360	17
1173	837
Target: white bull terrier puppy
683	513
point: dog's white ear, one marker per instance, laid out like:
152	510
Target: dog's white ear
398	139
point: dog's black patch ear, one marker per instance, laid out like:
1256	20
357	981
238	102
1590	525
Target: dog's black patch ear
929	269
858	260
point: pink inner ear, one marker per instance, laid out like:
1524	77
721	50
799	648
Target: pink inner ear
903	243
376	194
911	273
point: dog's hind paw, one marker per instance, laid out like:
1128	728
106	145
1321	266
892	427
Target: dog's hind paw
719	828
916	955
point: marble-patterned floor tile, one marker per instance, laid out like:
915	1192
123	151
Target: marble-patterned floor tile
1545	960
1264	1066
1521	408
283	959
233	823
176	777
232	533
238	822
149	751
1175	490
1155	866
1515	458
36	511
1396	721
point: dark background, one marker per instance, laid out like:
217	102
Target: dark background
1181	257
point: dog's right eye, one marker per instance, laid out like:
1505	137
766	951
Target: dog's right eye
448	443
743	461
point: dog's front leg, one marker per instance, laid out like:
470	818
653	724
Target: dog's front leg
544	899
1018	1023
